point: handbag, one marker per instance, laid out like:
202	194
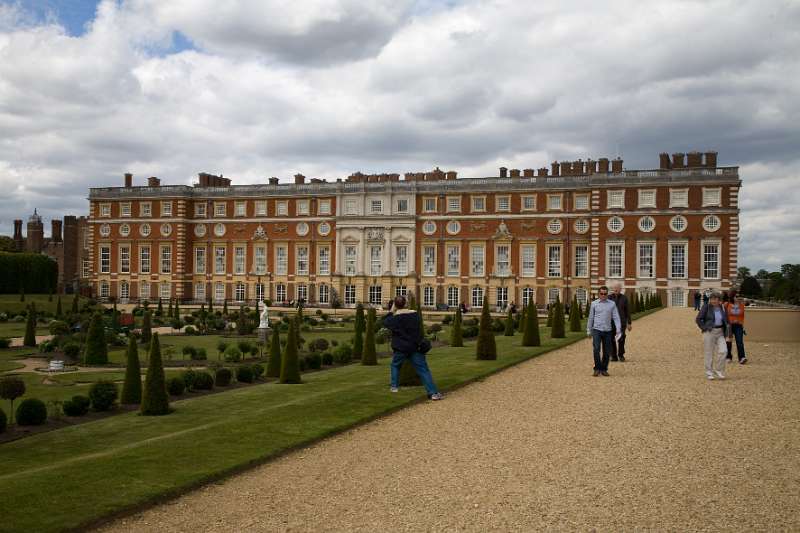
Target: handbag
424	346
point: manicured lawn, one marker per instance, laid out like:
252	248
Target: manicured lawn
73	476
9	303
17	329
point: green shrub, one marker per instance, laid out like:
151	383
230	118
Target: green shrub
245	374
77	406
4	343
96	347
447	319
369	357
470	332
486	348
274	361
334	343
155	401
58	327
191	351
557	331
319	345
221	347
189	330
456	330
290	371
203	381
301	364
72	350
327	359
244	347
103	394
3	421
509	325
233	354
11	388
132	386
31	412
189	377
176	386
530	333
222	377
200	355
314	361
258	370
343	354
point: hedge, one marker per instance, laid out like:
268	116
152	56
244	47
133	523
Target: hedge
34	273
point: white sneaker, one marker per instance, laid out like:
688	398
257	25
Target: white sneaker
720	375
437	396
709	377
394	389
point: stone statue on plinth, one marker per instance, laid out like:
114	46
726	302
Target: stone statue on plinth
263	323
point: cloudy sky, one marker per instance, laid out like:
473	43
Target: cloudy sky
259	88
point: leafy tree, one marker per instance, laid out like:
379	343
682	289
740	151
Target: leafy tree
59	312
177	310
274	363
456	335
147	329
11	388
530	336
509	332
486	349
155	400
557	330
750	287
290	370
369	356
96	352
358	338
132	387
241	323
30	327
575	315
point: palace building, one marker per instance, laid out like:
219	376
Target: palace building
526	234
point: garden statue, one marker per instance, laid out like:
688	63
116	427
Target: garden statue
264	317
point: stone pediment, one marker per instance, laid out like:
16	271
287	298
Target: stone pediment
502	232
350	240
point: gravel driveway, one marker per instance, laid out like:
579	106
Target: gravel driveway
545	445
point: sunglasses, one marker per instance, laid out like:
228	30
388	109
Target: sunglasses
603	294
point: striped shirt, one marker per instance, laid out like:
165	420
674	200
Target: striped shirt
601	314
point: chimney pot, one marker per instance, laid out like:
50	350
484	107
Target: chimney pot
128	180
711	159
528	173
153	181
616	166
555	168
503	172
543	171
694	159
602	165
299	179
677	160
515	173
663	161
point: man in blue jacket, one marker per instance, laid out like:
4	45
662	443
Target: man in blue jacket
406	334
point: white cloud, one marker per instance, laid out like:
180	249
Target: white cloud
334	86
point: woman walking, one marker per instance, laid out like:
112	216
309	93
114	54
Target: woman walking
735	311
713	322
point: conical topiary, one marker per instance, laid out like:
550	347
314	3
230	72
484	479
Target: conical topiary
225	307
486	349
132	387
290	369
274	363
147	328
160	308
96	348
155	400
177	310
575	315
358	337
509	332
30	327
557	331
170	314
633	301
522	319
531	337
369	357
115	317
59	312
210	306
75	304
550	315
456	335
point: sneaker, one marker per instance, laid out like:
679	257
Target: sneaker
621	359
437	396
394	389
614	359
596	373
720	375
710	377
729	358
743	360
604	373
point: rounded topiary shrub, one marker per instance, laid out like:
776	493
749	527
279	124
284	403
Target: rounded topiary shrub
77	406
223	377
31	412
200	354
72	350
203	381
4	343
245	374
103	395
189	330
233	354
189	377
176	386
343	354
191	351
314	361
258	370
327	359
3	421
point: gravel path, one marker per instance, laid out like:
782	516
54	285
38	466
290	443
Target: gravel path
545	445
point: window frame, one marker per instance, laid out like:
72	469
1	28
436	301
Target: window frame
301	259
302	207
261	209
450	208
477	197
220	259
220	209
454	272
525	197
165	261
472	271
610	195
324	206
615	244
684	191
550	202
324	263
583	196
717	191
428	267
584	263
240	208
639	256
145	209
671	245
643	204
551	273
527	272
425	200
198	251
281	259
497	203
703	260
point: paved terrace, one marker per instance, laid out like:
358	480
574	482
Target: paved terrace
545	445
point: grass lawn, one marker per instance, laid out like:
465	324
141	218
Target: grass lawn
73	476
17	329
9	303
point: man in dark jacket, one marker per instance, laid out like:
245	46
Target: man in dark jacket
619	298
406	334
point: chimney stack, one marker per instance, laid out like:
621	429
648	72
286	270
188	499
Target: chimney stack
694	159
128	180
616	166
677	160
528	173
591	166
273	181
153	181
299	179
602	165
543	171
451	175
515	173
711	159
55	230
566	168
663	161
554	164
503	172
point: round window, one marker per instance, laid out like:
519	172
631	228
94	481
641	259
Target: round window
647	224
219	229
324	228
711	223
124	230
429	227
166	230
301	229
678	223
200	230
453	227
144	230
615	224
554	226
581	226
105	230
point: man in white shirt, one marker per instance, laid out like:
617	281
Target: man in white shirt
602	314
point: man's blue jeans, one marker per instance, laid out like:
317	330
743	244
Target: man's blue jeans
606	338
420	365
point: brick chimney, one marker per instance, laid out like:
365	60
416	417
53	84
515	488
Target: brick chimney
602	165
694	159
577	167
711	159
528	173
503	172
555	167
299	179
515	173
55	230
663	161
591	166
566	168
153	181
616	166
677	160
543	171
273	181
451	175
128	180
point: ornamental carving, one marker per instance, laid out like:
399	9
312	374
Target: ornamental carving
239	228
259	233
477	226
375	234
528	226
280	228
502	231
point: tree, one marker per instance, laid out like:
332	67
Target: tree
358	338
574	315
241	323
290	370
509	332
11	388
30	327
522	318
160	308
170	312
132	387
750	287
75	304
115	317
741	274
530	336
177	310
369	357
59	312
225	308
147	329
274	363
210	306
557	331
486	349
155	400
96	347
456	335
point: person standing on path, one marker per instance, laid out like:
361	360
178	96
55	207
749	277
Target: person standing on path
603	315
405	327
735	311
713	322
696	300
618	342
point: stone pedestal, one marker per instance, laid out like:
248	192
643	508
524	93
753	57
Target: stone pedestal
263	334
